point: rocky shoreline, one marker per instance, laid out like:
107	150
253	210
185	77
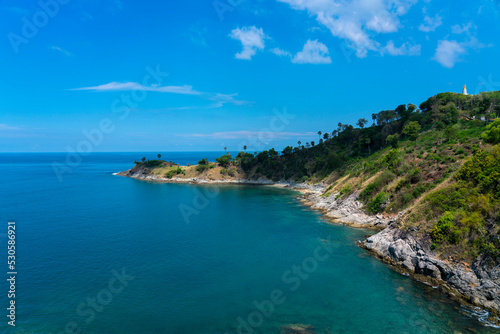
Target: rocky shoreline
476	285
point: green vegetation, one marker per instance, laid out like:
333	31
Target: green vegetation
464	216
173	172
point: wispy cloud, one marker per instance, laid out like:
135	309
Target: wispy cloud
8	131
406	49
248	134
5	127
127	86
251	38
314	52
218	99
281	53
61	50
221	99
430	23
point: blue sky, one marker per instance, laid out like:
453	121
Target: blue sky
204	75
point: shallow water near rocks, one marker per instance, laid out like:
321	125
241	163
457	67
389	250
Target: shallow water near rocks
199	259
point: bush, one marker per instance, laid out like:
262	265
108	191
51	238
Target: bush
492	133
446	230
202	167
171	173
378	204
152	163
224	160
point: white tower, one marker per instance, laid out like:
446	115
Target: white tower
464	91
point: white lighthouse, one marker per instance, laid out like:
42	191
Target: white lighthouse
464	91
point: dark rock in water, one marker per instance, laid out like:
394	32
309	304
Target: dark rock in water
479	284
297	329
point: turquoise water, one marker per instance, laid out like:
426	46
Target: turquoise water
197	259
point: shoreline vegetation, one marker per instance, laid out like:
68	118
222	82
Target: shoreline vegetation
426	178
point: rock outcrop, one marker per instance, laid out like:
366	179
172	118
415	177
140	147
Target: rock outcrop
347	211
478	284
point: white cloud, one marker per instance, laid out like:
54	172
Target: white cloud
448	53
281	53
406	49
126	86
465	28
314	52
251	38
64	52
218	98
354	20
221	99
431	23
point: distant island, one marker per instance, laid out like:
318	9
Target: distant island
427	177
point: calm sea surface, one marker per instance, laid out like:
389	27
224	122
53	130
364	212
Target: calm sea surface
100	253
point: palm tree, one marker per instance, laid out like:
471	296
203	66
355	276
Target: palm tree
225	149
143	159
326	136
159	156
319	134
299	142
245	148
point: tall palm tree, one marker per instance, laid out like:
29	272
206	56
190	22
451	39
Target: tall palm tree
245	148
159	156
319	134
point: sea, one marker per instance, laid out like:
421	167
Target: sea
100	253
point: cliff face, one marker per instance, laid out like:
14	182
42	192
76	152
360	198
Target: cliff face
478	284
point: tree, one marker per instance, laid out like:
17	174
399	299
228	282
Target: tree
287	150
224	160
159	156
308	145
143	159
492	133
451	131
299	143
225	149
245	148
312	143
319	134
368	141
361	122
326	136
393	140
374	118
412	129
